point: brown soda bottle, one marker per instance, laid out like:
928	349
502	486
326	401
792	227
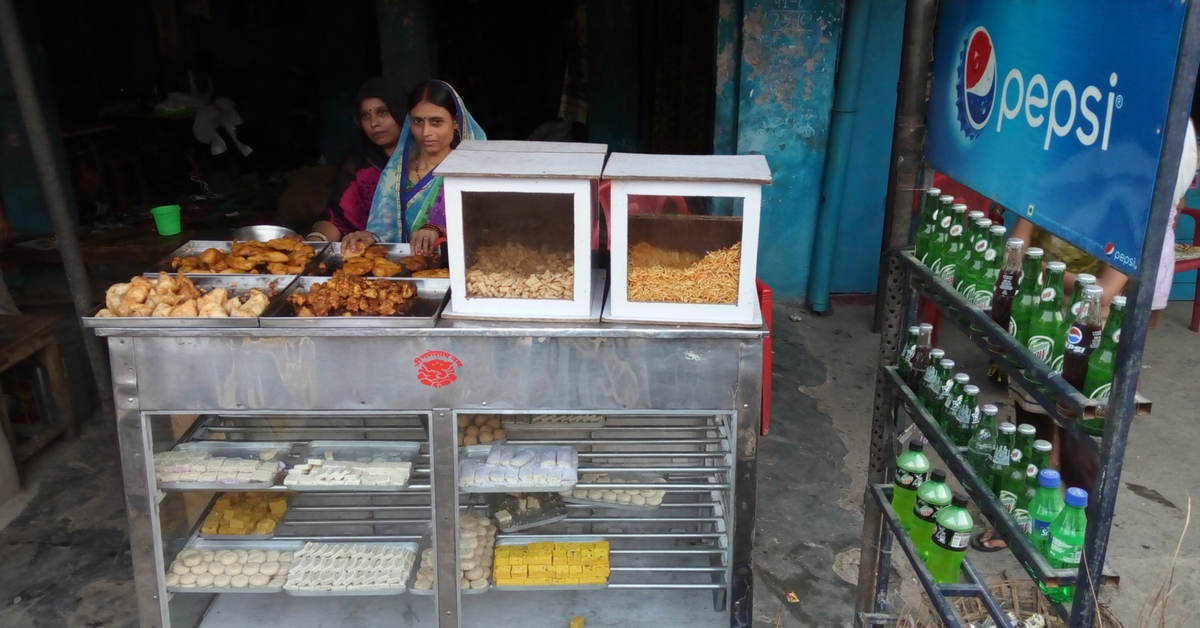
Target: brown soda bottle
1082	338
1006	286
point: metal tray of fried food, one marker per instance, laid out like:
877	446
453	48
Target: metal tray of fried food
431	298
194	248
236	286
331	259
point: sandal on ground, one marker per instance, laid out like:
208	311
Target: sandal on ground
988	541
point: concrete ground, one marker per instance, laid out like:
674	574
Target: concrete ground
65	545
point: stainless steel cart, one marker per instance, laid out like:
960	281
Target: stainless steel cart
683	403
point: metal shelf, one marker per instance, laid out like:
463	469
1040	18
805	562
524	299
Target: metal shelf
1020	546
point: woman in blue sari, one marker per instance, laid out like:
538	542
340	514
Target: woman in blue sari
409	204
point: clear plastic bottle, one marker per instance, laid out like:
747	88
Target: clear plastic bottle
1066	541
1044	509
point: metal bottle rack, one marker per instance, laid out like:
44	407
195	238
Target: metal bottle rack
903	278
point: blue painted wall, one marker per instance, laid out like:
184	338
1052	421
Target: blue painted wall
1184	286
860	229
789	52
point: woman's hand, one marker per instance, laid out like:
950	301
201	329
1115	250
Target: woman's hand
423	241
354	244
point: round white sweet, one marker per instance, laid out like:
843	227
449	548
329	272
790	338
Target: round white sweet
241	555
609	496
287	557
259	581
595	494
199	569
480	583
637	500
249	569
474	574
272	556
216	569
463	583
269	569
239	581
277	581
467	564
221	580
207	555
579	493
654	501
179	568
226	557
187	580
172	579
234	569
204	580
623	498
256	556
192	560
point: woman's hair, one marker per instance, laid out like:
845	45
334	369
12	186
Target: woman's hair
389	91
435	93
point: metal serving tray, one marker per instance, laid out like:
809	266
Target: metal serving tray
193	248
431	298
630	478
556	511
237	285
332	259
355	451
522	539
248	450
482	451
232	544
409	545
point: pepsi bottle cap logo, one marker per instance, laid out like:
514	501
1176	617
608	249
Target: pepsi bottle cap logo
1109	249
976	82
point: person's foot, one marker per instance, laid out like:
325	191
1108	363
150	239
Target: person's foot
988	541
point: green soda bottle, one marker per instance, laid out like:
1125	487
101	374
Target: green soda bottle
962	268
1044	509
904	360
1028	296
979	248
912	469
943	392
1012	485
952	252
1002	456
1098	382
985	279
941	234
932	497
1046	327
1082	280
932	380
1040	459
929	210
951	535
1066	541
966	417
983	443
951	401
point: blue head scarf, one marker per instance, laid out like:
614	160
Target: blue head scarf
398	210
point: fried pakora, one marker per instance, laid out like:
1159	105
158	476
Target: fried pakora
414	263
178	297
358	266
351	295
385	268
281	256
375	252
433	273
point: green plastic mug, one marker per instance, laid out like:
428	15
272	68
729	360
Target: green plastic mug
166	219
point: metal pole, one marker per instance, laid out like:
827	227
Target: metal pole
1133	337
52	189
907	141
908	136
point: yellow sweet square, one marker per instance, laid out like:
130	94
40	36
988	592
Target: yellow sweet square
539	581
569	580
519	571
574	570
501	559
501	572
516	560
539	569
518	582
209	528
222	503
562	570
278	506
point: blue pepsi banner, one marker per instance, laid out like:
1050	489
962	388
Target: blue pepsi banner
1055	109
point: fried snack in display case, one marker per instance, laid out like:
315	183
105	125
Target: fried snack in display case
281	256
685	237
519	229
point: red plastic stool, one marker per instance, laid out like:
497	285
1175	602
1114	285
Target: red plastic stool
764	301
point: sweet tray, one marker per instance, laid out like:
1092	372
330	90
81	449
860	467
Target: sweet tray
478	452
357	451
409	545
648	480
240	537
551	511
202	544
431	299
247	450
236	285
522	539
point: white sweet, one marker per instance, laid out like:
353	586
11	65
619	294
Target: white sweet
187	579
259	580
269	569
637	500
222	580
191	560
172	579
239	581
179	568
256	556
233	569
204	580
216	569
250	569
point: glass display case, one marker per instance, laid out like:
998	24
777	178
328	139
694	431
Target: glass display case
519	230
684	237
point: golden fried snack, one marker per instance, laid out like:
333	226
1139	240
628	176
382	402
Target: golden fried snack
375	252
414	263
239	264
211	256
112	297
278	268
350	295
435	273
269	256
287	244
187	308
248	249
386	268
358	266
217	296
178	297
213	310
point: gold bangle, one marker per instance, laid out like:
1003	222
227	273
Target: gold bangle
316	235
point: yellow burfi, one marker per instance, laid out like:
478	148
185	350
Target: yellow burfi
576	622
501	571
575	570
569	580
209	528
519	571
539	581
560	556
222	503
541	547
593	580
538	570
516	560
266	526
561	571
278	506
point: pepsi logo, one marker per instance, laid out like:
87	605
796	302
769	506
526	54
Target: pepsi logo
976	82
1109	249
1075	336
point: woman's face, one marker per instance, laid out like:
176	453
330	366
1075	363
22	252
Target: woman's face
377	122
433	127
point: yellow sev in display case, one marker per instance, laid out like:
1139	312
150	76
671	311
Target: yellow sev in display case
551	564
244	514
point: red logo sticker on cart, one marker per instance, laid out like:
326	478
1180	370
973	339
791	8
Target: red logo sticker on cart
436	369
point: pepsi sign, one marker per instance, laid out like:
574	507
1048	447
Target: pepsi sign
1056	111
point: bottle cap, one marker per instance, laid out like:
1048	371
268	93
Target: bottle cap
1119	301
974	214
1048	478
937	354
1085	279
946	198
938	475
961	378
1077	497
916	445
1042	445
914	330
997	230
1056	267
934	191
1026	429
1008	428
958	207
959	500
984	223
1014	243
991	409
1034	252
1090	290
926	327
946	364
971	389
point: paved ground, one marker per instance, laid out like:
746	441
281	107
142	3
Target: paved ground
65	545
